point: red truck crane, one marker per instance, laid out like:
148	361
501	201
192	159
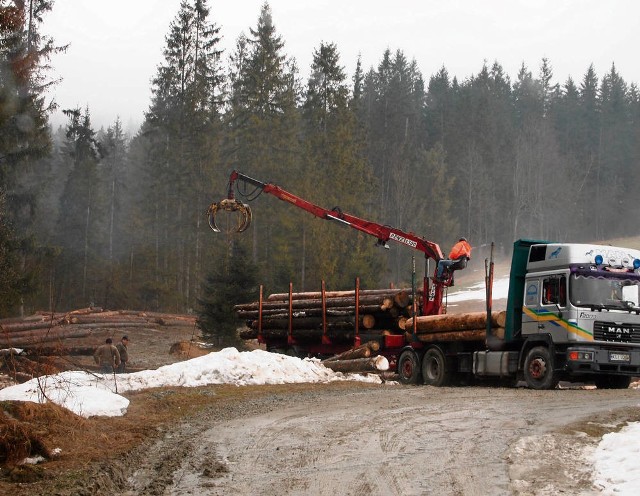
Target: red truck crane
572	312
432	301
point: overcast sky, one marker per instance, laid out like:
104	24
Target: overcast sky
116	45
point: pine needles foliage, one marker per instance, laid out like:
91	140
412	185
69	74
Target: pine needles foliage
233	281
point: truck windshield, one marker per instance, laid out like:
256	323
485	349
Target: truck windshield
604	292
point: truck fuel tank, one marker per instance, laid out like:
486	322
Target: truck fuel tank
495	363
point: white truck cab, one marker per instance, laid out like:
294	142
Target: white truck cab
584	301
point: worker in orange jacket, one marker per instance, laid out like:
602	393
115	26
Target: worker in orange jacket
458	257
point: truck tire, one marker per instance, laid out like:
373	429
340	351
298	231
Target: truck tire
539	370
612	382
434	368
409	367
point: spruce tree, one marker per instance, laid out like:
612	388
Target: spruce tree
337	175
24	53
78	223
10	280
183	132
231	281
114	233
490	115
262	141
358	86
438	107
24	133
616	144
634	113
396	130
567	117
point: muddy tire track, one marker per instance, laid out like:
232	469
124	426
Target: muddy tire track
389	440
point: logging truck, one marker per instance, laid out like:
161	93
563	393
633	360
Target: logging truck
573	312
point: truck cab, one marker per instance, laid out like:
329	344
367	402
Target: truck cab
579	314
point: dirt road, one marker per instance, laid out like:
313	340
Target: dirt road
385	440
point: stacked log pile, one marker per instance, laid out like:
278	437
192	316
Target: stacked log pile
44	329
456	327
381	311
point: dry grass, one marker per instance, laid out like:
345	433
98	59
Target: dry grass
89	439
32	430
29	429
188	349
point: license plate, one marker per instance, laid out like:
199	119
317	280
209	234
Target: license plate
619	357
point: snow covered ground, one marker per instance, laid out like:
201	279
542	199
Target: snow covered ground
616	460
89	394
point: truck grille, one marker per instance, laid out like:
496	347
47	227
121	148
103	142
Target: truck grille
616	333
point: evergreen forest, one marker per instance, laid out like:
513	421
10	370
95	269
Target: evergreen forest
98	217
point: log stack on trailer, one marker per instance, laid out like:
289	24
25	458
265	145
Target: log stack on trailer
328	324
308	318
382	312
456	327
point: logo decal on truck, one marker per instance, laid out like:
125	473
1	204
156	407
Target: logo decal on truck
532	294
612	256
555	253
544	315
404	240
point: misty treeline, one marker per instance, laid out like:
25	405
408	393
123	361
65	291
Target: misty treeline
98	217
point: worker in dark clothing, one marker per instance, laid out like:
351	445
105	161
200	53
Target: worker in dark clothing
124	354
107	357
458	257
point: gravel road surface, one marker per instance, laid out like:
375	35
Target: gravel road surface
388	439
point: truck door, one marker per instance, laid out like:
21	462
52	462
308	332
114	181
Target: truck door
545	300
531	306
554	303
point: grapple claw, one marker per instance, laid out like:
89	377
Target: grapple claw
247	217
229	205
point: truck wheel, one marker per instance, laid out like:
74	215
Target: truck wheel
538	369
612	382
409	367
434	371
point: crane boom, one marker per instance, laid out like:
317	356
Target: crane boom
381	232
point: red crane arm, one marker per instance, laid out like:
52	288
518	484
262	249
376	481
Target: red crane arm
381	232
432	303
